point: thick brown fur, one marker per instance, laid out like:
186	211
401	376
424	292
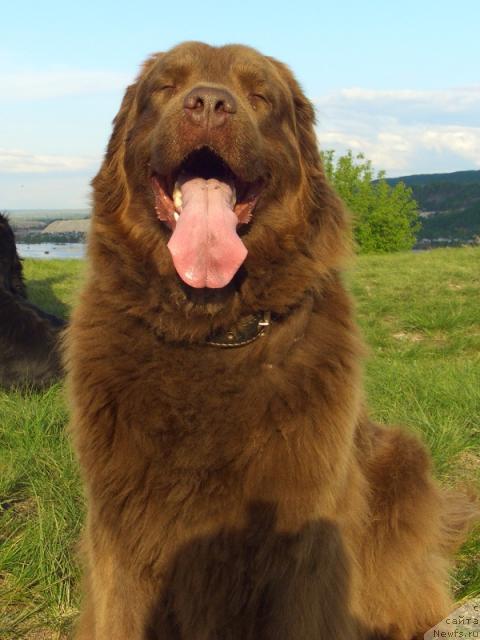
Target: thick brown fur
239	494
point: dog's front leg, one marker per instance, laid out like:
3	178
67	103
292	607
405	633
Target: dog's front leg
117	597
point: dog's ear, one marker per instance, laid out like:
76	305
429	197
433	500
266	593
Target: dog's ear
120	122
328	212
304	115
110	184
127	108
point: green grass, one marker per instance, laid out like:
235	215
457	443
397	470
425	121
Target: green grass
40	503
420	316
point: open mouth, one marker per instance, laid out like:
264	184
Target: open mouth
203	202
205	164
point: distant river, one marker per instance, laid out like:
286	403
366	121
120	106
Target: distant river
52	250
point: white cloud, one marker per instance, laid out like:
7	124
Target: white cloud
16	161
404	131
55	83
462	140
456	100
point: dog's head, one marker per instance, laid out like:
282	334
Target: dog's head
11	274
212	174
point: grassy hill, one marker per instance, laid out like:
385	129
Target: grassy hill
452	199
455	177
419	316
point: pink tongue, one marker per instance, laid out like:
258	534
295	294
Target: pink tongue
205	247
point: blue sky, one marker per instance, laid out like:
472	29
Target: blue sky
397	81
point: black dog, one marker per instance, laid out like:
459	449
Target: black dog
29	337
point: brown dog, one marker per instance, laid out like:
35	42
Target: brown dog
236	489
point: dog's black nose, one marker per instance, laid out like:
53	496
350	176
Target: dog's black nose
208	106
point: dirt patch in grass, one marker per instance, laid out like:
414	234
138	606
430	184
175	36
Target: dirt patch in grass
468	462
45	635
25	508
408	337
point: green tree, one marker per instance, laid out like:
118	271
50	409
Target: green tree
385	218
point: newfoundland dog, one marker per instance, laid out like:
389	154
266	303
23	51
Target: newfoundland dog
236	488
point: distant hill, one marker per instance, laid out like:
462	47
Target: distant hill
68	226
449	202
456	177
46	215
